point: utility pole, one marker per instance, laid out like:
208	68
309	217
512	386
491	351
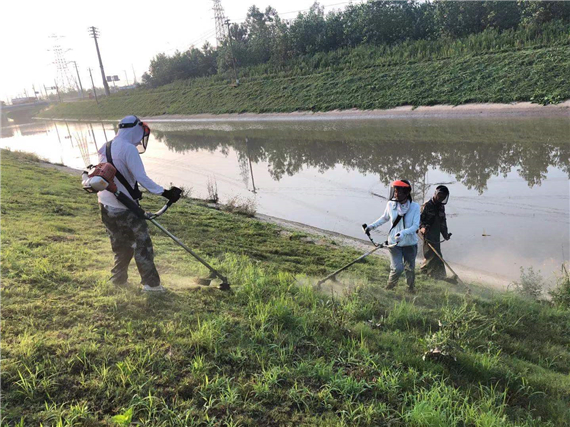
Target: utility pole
94	140
134	74
232	51
94	33
126	78
57	89
78	79
93	84
45	91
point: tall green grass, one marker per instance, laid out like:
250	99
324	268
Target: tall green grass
78	351
528	64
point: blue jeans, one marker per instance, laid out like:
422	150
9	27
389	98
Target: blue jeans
403	258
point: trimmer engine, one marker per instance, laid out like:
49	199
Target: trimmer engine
101	178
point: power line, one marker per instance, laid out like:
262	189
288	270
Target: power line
204	36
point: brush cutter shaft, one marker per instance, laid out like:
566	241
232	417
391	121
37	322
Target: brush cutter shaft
380	246
348	265
195	255
151	217
446	264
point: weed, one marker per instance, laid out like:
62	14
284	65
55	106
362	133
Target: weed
212	187
237	206
530	284
561	293
460	327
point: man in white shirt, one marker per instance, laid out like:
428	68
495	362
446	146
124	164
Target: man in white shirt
128	232
404	215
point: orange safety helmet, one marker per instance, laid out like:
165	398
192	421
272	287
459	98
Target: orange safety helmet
402	184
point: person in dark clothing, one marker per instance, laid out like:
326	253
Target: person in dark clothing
433	223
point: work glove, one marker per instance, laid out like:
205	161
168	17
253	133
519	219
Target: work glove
448	236
366	229
397	237
173	194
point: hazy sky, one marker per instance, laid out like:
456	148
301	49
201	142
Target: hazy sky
131	33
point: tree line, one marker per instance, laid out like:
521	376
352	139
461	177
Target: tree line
454	148
265	38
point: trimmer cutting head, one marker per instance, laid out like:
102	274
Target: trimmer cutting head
206	281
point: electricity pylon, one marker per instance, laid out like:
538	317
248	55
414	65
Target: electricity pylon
220	18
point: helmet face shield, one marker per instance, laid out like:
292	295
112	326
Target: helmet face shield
441	194
400	191
126	123
144	141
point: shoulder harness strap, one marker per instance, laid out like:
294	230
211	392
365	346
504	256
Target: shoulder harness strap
134	192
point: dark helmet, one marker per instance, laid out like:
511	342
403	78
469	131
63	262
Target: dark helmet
402	185
443	191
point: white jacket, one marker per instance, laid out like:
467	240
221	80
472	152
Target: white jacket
127	160
407	227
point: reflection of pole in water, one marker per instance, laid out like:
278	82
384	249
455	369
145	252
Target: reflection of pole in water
94	139
60	146
69	133
104	132
57	132
250	166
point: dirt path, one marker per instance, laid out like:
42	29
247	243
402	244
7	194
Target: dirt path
516	109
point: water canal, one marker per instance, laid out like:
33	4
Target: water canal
509	178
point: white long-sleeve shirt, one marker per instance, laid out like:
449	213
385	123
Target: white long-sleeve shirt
127	161
407	227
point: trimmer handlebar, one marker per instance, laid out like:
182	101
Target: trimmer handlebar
150	215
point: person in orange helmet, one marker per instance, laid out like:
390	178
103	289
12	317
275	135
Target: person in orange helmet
404	215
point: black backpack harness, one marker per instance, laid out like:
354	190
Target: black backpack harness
134	192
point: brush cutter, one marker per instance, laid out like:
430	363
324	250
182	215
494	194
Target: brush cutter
152	218
385	244
446	264
442	260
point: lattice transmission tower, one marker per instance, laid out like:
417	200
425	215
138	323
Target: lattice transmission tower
219	16
64	77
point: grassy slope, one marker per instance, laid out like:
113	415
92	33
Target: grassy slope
78	351
533	74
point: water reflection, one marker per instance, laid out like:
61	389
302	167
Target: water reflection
471	151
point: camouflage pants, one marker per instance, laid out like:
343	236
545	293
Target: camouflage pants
129	236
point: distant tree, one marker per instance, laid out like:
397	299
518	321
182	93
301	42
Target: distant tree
308	31
265	38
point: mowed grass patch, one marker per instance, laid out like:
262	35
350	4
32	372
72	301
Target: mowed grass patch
79	351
